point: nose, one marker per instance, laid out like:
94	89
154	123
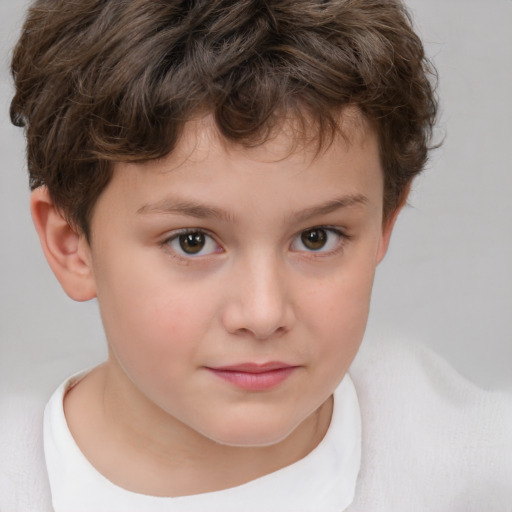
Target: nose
259	303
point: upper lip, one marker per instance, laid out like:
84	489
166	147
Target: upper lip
253	367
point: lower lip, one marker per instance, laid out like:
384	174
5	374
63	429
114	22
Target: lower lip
255	381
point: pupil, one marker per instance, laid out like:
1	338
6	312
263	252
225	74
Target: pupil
192	243
314	239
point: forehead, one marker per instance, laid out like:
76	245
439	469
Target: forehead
284	175
290	137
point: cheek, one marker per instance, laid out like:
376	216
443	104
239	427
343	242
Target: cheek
338	308
151	322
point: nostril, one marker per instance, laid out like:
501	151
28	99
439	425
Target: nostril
273	333
258	305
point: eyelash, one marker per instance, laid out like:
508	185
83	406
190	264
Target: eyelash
188	231
343	239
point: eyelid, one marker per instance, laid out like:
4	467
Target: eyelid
343	237
182	255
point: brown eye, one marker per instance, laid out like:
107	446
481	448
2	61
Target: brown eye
314	239
192	243
320	239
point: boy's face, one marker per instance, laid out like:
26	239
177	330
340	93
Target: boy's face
218	259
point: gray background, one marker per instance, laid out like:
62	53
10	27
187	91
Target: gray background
447	280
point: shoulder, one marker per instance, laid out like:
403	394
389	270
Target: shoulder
432	440
23	477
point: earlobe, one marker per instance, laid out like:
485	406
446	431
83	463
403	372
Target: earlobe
66	251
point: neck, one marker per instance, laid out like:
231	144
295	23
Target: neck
140	447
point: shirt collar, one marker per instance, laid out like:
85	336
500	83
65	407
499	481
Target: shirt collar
323	480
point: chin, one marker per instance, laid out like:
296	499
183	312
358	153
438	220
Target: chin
251	436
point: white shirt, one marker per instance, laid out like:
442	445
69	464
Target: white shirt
431	442
77	486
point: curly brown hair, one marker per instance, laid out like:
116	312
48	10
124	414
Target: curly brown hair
104	81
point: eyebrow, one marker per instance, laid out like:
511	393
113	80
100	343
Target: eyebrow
331	206
203	211
187	208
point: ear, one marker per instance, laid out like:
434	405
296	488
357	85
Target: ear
66	250
387	227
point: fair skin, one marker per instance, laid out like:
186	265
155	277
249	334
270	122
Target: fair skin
276	268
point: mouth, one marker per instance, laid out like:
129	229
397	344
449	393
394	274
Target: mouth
254	376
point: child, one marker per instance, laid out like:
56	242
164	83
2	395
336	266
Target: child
224	177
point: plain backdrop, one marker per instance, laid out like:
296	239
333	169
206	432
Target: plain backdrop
446	281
